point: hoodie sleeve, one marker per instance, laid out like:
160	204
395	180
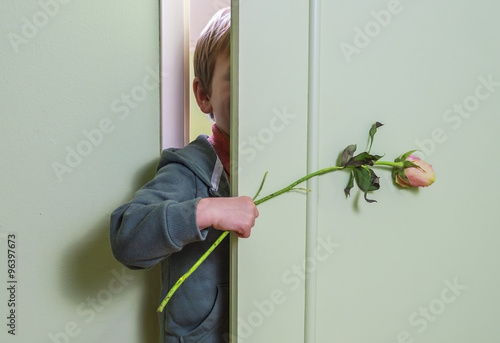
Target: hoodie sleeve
159	220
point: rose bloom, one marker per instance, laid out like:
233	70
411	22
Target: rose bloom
416	177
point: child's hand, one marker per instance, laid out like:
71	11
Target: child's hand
236	214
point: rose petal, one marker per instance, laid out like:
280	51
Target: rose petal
419	177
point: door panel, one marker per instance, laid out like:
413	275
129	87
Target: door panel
417	266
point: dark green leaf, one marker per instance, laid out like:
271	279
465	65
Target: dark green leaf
350	184
347	154
367	180
366	158
404	156
369	200
396	172
363	159
372	133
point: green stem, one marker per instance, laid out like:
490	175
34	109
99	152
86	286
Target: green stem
299	181
390	164
260	201
260	188
190	271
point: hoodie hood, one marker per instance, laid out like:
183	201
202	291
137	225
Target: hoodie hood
199	156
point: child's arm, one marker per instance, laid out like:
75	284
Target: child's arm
164	216
159	220
227	214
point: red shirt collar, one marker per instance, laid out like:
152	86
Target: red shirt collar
221	146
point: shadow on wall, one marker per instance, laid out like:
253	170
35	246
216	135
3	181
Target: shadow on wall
96	282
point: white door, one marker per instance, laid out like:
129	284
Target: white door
417	266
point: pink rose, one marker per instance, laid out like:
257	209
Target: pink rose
420	174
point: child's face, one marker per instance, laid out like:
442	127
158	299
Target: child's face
221	92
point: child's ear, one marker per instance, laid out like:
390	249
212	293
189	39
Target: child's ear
201	96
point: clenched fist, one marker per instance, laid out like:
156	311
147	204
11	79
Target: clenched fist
236	214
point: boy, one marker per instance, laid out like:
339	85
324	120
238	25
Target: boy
175	218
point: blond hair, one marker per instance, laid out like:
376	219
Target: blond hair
213	42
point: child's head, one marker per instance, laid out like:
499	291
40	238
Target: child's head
211	68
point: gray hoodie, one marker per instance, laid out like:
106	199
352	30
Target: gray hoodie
159	226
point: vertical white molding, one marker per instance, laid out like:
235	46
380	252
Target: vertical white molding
233	276
174	83
312	165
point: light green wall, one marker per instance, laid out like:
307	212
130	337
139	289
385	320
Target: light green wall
79	133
